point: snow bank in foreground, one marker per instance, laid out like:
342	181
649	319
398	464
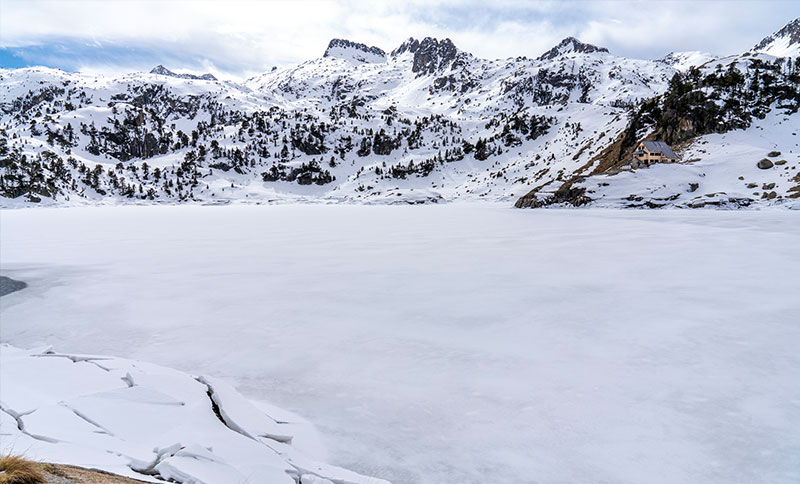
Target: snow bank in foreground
149	422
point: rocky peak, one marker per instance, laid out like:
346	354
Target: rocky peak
410	45
345	49
569	45
783	43
163	71
430	55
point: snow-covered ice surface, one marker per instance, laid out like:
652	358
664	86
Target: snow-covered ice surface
150	422
466	343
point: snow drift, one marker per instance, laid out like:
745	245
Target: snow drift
151	423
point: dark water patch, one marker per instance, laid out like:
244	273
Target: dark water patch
8	285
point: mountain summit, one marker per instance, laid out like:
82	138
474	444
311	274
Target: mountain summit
783	43
430	55
569	45
163	71
345	49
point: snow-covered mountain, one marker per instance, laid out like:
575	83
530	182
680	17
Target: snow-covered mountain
427	122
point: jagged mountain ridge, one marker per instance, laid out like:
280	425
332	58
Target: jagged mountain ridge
345	49
163	71
426	122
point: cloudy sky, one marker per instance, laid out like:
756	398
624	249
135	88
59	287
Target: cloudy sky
235	39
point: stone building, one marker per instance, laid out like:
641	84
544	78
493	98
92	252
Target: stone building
649	152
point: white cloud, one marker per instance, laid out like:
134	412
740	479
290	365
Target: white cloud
240	37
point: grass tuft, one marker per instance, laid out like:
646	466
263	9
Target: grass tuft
16	470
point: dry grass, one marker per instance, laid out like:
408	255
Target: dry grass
16	470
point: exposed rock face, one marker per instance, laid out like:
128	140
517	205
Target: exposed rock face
569	45
783	43
433	55
410	45
341	48
163	71
430	55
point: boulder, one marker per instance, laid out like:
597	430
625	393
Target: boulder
780	162
765	164
773	154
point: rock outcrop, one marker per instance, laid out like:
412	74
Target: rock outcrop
430	55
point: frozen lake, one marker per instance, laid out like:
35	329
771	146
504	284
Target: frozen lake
461	343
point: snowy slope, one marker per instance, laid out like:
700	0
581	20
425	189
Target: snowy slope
783	43
683	61
151	423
